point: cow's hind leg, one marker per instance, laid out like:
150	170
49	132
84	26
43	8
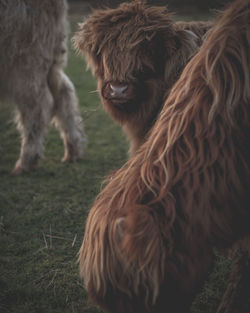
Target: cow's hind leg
66	114
33	116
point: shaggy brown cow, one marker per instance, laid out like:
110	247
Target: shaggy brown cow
137	53
33	53
150	234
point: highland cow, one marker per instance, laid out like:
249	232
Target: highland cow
137	53
33	45
149	238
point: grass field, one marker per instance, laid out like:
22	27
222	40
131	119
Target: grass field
42	214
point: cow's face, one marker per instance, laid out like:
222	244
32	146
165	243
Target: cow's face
130	77
125	49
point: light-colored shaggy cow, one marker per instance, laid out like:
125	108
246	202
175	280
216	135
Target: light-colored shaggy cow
33	52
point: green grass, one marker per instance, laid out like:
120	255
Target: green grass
42	214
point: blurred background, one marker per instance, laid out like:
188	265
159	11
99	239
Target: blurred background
181	6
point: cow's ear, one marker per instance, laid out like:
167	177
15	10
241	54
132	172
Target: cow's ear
185	44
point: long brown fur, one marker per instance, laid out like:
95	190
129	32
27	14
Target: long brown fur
33	54
150	234
142	48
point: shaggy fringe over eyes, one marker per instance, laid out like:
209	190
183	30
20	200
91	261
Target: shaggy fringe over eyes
99	35
187	181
